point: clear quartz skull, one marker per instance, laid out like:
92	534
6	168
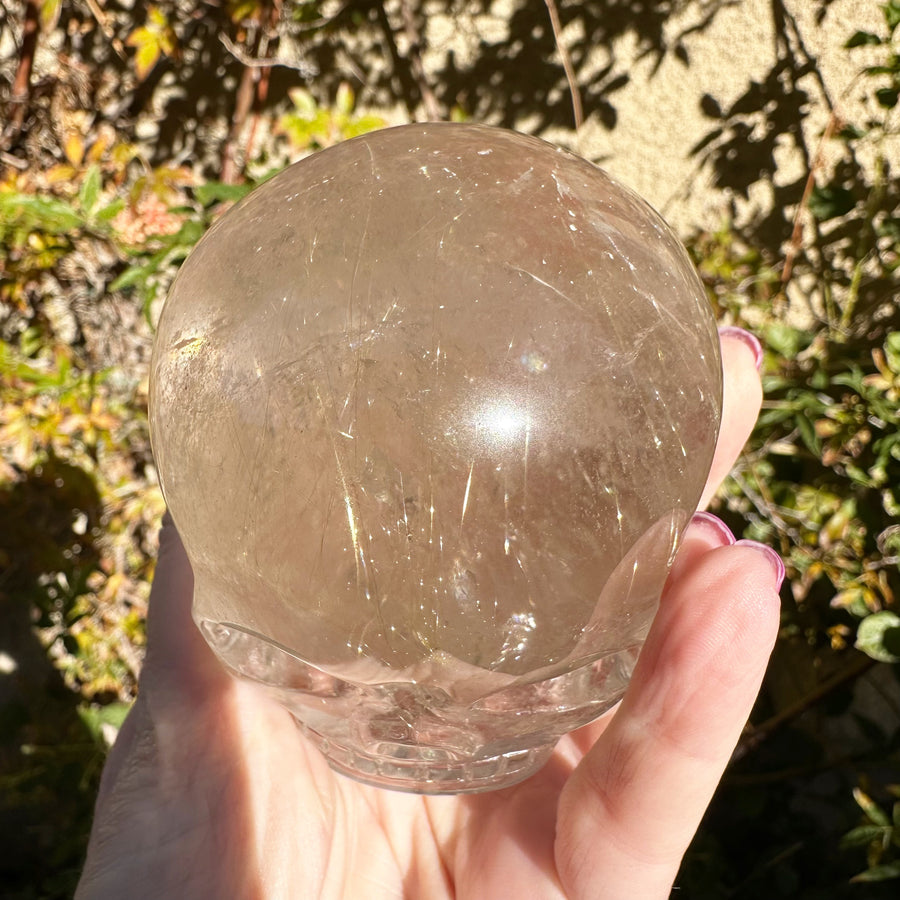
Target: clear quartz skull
431	410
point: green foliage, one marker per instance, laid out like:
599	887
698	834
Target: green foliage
887	72
62	423
152	40
820	480
310	126
77	523
879	636
38	229
879	834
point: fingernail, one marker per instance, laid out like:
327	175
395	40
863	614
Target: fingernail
751	340
713	524
774	559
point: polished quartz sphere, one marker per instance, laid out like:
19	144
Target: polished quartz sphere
431	410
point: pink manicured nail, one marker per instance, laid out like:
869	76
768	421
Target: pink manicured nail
774	559
751	340
713	524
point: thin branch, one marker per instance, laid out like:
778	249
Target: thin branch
432	107
262	84
577	109
400	70
242	105
755	736
103	21
796	242
14	161
21	87
252	62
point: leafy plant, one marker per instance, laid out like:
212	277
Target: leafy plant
309	126
152	40
879	834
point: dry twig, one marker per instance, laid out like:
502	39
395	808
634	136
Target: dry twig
103	21
577	109
21	88
252	62
796	241
432	107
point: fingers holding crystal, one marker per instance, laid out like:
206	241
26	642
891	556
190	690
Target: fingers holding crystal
651	774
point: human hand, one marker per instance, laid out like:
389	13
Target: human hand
211	790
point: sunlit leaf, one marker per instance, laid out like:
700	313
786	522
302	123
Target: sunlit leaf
344	100
73	147
89	192
50	10
878	636
865	834
870	807
217	191
883	872
147	52
44	212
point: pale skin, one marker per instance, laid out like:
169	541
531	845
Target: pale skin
211	791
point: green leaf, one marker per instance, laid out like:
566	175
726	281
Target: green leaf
830	201
892	351
363	125
90	190
110	211
50	14
861	39
870	807
878	636
864	835
344	100
783	339
852	132
190	232
887	97
45	213
889	228
132	276
217	191
95	717
878	873
304	102
808	434
892	14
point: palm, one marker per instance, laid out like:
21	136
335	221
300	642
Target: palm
212	790
249	769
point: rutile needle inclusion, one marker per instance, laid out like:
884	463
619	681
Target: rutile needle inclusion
431	410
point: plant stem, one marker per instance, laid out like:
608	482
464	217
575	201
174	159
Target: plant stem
432	107
755	736
577	109
21	87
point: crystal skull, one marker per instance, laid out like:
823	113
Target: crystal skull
431	409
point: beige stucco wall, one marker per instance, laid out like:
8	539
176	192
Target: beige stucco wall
659	114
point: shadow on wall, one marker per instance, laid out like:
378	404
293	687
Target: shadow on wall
850	210
198	103
214	79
